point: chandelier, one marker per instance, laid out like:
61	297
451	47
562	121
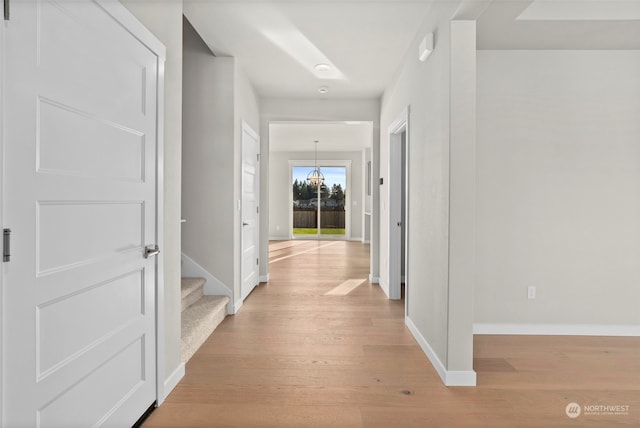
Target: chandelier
315	177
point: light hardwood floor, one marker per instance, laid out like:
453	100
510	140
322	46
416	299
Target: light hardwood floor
296	357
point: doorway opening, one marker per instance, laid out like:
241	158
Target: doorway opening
341	154
340	209
399	208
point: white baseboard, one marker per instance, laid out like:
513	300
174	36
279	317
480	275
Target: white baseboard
384	286
234	308
172	381
558	329
213	286
374	279
448	377
264	278
279	238
460	378
366	241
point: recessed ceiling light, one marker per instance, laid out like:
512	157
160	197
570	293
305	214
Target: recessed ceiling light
323	89
323	68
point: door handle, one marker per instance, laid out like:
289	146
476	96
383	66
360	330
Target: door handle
244	223
151	250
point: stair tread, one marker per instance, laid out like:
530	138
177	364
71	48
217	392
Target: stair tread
199	321
202	308
188	285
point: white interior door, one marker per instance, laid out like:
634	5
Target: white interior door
250	210
80	198
397	139
395	216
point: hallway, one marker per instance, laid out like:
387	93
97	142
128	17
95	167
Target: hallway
296	357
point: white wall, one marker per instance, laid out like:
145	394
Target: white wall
279	190
246	108
217	98
436	307
313	110
558	187
208	192
165	21
462	195
425	87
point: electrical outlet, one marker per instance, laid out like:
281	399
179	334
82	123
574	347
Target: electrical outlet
531	292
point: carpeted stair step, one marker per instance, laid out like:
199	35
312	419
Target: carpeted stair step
199	321
192	289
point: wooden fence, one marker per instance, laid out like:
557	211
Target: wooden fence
329	218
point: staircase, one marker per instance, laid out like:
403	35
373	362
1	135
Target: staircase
200	315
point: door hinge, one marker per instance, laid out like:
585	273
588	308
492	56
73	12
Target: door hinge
6	245
257	261
7	10
257	210
258	157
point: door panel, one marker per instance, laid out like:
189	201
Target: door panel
129	362
80	198
395	215
107	307
86	62
101	148
112	228
250	216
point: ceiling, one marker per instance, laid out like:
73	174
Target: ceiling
279	43
331	136
560	24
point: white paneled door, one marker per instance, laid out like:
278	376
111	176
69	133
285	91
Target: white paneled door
250	210
81	120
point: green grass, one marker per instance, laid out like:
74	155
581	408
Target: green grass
313	231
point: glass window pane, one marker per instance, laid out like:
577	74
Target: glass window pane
332	203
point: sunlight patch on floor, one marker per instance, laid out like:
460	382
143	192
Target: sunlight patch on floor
302	252
345	288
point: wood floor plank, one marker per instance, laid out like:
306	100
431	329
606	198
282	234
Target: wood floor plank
295	357
270	416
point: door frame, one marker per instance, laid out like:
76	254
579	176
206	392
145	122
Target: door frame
2	138
347	201
122	15
249	130
397	128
